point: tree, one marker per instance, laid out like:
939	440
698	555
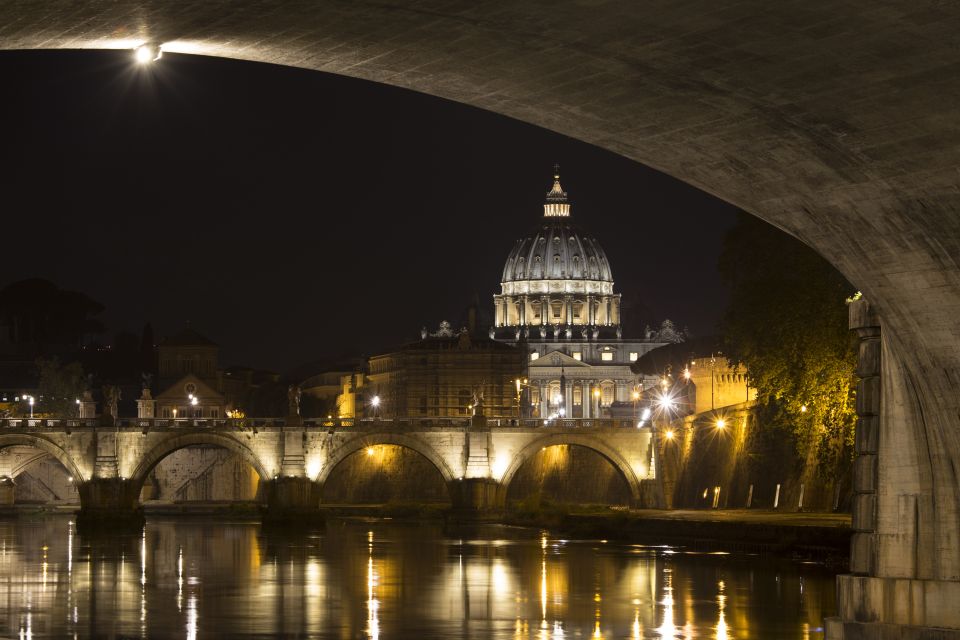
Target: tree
59	387
787	323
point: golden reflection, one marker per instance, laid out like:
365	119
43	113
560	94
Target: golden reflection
722	632
373	605
667	629
192	617
637	628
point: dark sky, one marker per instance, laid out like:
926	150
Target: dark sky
293	216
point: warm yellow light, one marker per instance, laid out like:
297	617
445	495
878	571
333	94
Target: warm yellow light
636	395
369	451
803	408
147	53
668	434
686	373
721	423
596	393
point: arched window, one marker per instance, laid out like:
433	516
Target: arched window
594	271
520	265
577	271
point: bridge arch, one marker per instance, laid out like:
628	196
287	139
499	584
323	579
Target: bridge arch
576	439
48	447
180	440
363	441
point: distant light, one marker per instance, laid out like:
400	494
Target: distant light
646	414
636	395
803	408
375	401
78	400
686	373
147	53
668	434
369	451
721	423
193	401
70	479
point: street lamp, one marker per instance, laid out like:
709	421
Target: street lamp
30	400
521	384
375	403
147	53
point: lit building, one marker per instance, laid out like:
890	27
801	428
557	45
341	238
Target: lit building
444	374
715	384
558	301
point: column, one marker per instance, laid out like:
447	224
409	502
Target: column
544	310
568	399
544	400
522	312
585	398
568	310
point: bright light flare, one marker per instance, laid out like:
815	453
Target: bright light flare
803	408
147	53
721	423
375	401
369	451
668	434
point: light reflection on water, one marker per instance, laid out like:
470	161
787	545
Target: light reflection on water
191	578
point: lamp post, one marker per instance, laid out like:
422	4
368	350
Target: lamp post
521	384
375	402
30	400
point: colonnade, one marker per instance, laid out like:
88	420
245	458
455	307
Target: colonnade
520	310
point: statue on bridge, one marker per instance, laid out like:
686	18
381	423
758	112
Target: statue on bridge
111	397
293	400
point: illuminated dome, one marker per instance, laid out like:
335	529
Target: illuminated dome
558	275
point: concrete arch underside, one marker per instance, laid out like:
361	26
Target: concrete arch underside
180	440
47	447
362	441
836	121
588	442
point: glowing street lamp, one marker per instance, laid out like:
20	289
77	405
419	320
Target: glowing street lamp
721	424
30	400
147	53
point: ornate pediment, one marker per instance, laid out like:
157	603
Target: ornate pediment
557	359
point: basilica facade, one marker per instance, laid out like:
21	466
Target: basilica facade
558	303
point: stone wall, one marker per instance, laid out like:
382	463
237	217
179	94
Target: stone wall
700	458
45	481
570	475
202	474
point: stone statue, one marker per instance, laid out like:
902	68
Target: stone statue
293	400
478	400
111	396
146	380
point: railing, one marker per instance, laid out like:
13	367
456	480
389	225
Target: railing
254	424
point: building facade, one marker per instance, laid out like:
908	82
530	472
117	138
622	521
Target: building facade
558	303
446	373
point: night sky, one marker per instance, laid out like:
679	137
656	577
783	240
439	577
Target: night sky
294	216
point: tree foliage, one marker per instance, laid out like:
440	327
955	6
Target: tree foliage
60	385
787	323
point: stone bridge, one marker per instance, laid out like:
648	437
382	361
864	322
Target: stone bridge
476	458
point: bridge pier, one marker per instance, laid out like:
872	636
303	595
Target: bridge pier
109	502
476	498
292	499
7	491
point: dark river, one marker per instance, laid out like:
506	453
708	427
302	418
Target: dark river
190	578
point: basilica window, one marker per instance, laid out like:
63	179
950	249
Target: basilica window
607	356
634	356
577	395
556	306
606	393
534	356
577	355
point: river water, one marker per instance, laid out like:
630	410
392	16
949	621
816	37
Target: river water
190	578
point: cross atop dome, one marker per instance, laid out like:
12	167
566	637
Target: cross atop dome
556	205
